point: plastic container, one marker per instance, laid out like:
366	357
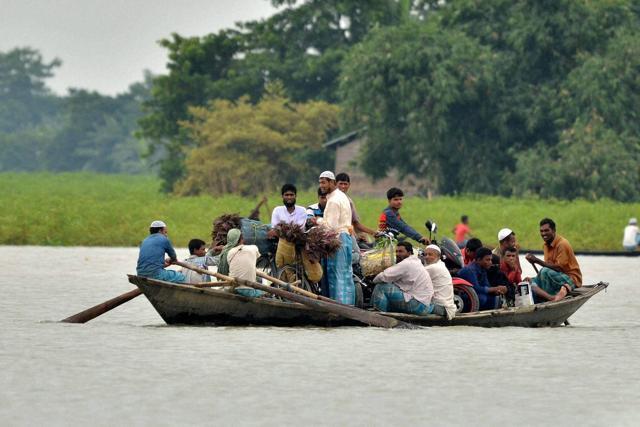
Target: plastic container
524	294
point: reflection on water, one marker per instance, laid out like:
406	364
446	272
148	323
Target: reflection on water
128	367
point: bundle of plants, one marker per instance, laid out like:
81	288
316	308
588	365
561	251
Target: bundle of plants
222	225
291	233
322	242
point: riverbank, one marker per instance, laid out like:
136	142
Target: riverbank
79	209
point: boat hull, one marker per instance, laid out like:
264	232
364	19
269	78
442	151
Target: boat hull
188	305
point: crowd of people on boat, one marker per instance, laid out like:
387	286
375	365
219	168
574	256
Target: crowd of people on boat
418	283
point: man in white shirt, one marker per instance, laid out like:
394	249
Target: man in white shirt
441	279
405	287
337	215
631	238
290	213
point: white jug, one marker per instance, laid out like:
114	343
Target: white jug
524	295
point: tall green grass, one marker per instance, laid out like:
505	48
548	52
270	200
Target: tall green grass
82	209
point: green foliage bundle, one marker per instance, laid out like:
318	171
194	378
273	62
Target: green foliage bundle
250	149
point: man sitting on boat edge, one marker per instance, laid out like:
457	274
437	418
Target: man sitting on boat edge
239	260
151	261
560	272
441	279
406	286
200	257
476	274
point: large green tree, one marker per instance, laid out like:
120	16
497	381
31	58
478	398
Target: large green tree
25	100
302	45
80	131
250	149
482	82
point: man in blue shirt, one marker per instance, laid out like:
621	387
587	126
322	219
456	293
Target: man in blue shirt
476	274
151	261
390	217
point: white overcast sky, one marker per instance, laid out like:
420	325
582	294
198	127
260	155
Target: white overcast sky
105	45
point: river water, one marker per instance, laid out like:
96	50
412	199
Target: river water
127	367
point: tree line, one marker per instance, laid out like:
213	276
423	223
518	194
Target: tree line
510	97
81	131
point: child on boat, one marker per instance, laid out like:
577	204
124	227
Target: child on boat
201	258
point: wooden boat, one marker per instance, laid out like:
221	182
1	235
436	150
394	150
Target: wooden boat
188	305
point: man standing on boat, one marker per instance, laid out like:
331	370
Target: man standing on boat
289	213
337	215
344	182
151	260
315	212
560	272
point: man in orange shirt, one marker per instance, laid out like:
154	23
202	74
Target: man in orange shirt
560	272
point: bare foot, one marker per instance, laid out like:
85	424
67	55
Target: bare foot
561	294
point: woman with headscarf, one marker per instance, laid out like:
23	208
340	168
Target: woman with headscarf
233	238
240	262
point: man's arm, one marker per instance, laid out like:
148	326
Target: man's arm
274	217
168	248
358	226
535	260
389	275
394	222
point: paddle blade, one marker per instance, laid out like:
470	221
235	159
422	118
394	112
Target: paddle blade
95	311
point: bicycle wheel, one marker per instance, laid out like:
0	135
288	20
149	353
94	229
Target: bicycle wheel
267	264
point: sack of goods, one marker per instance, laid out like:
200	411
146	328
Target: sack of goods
524	295
312	268
255	233
285	254
376	260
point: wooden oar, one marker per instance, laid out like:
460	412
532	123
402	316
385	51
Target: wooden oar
535	267
100	309
294	288
347	311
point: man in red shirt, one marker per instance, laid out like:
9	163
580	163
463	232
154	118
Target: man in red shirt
462	231
510	267
469	251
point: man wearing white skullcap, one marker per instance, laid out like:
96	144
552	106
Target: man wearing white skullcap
151	261
507	240
441	279
337	215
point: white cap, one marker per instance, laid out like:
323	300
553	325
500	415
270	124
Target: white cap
328	175
633	221
434	247
504	233
157	224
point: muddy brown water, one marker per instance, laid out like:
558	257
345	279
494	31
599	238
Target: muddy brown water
128	368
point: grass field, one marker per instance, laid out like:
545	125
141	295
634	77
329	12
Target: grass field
115	210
